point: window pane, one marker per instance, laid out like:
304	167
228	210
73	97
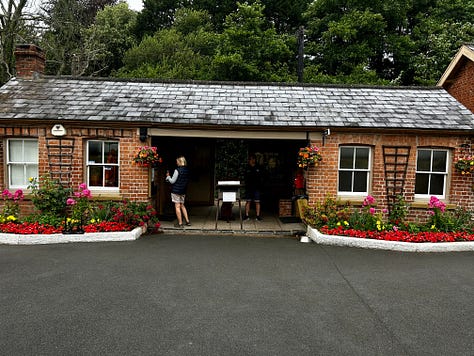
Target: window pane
346	157
360	181
111	176
439	161
95	176
95	152
362	158
31	151
421	184
31	171
437	184
17	176
111	152
423	162
15	151
345	181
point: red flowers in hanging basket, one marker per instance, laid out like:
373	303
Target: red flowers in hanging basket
147	156
308	156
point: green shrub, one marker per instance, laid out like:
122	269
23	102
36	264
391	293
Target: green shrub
49	196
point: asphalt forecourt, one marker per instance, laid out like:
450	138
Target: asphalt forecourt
233	295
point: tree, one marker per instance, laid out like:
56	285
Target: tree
405	42
63	40
438	38
108	38
183	51
286	15
157	15
11	22
251	50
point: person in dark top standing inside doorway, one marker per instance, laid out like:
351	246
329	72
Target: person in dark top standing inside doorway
179	182
253	187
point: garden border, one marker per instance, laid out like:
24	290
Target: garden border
43	239
347	241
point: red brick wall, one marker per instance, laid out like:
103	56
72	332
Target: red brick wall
322	180
462	85
134	180
28	60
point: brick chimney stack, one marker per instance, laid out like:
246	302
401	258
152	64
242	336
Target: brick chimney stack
30	60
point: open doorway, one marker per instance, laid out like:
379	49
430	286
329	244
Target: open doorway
212	159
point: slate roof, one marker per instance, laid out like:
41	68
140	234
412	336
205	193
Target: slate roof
232	104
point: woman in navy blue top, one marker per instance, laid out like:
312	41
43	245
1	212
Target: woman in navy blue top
179	183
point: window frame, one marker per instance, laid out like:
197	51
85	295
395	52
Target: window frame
10	163
103	164
368	170
431	172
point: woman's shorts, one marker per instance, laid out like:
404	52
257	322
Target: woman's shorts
177	198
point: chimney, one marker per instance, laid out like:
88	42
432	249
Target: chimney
30	60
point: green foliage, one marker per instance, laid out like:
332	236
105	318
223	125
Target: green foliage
45	219
231	159
398	211
333	214
49	196
329	213
131	213
251	50
184	51
109	37
397	42
403	42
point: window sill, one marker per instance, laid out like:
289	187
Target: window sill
423	204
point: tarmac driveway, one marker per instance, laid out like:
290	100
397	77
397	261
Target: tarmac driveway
198	295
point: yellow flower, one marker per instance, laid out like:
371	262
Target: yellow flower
338	223
346	223
11	218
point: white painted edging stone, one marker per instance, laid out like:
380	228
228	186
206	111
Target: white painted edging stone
347	241
43	239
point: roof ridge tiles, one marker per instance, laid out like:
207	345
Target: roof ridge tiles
234	83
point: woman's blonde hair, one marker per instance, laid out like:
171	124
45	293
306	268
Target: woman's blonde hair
181	161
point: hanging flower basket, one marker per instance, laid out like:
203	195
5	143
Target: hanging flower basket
308	156
147	156
465	165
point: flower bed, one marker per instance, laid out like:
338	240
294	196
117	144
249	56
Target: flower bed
401	236
41	239
27	228
371	243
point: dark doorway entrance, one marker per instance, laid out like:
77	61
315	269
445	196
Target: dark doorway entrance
212	159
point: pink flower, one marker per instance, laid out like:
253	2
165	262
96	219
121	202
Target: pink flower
372	211
435	203
369	200
385	211
18	195
70	201
395	228
86	193
6	194
82	186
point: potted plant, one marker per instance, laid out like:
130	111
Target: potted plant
308	156
465	165
147	156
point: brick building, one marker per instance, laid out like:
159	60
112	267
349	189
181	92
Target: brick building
459	77
381	141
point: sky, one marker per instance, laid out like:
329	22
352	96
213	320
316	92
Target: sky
135	4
